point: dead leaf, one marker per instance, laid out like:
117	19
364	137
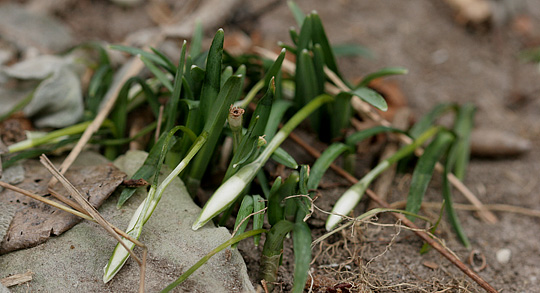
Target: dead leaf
34	222
58	100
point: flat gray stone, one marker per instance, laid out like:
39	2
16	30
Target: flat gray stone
28	29
74	261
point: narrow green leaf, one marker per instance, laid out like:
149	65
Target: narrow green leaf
447	196
275	68
461	146
346	50
429	119
281	156
196	40
424	170
258	219
227	72
294	35
203	260
36	152
302	255
146	170
170	66
371	97
273	251
381	73
279	107
340	113
275	201
212	78
242	220
359	136
214	125
323	163
319	37
177	90
297	12
162	77
142	53
99	83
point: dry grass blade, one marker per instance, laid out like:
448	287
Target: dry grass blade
97	216
365	110
17	279
46	201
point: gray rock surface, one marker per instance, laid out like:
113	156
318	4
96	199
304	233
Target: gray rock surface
28	29
74	261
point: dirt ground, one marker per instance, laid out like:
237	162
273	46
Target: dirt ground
446	62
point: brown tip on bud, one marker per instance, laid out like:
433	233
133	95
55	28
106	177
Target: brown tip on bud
236	111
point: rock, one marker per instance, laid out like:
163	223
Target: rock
27	29
74	261
503	255
497	143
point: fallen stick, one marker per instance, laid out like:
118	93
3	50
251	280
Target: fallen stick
365	110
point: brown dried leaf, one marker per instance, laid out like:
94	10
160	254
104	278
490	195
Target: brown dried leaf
34	222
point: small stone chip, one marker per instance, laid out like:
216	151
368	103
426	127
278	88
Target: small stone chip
503	255
431	265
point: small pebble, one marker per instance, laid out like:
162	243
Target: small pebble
503	255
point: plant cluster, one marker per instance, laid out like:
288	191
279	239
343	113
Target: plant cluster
202	107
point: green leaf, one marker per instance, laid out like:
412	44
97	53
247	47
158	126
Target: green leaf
461	146
424	170
319	37
340	113
196	39
214	126
146	170
273	251
381	73
162	77
212	78
279	107
345	50
324	161
170	66
298	14
302	255
137	51
177	90
429	119
275	201
98	86
242	220
359	136
371	97
447	196
258	218
275	68
281	156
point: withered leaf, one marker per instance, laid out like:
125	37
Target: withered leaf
34	222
